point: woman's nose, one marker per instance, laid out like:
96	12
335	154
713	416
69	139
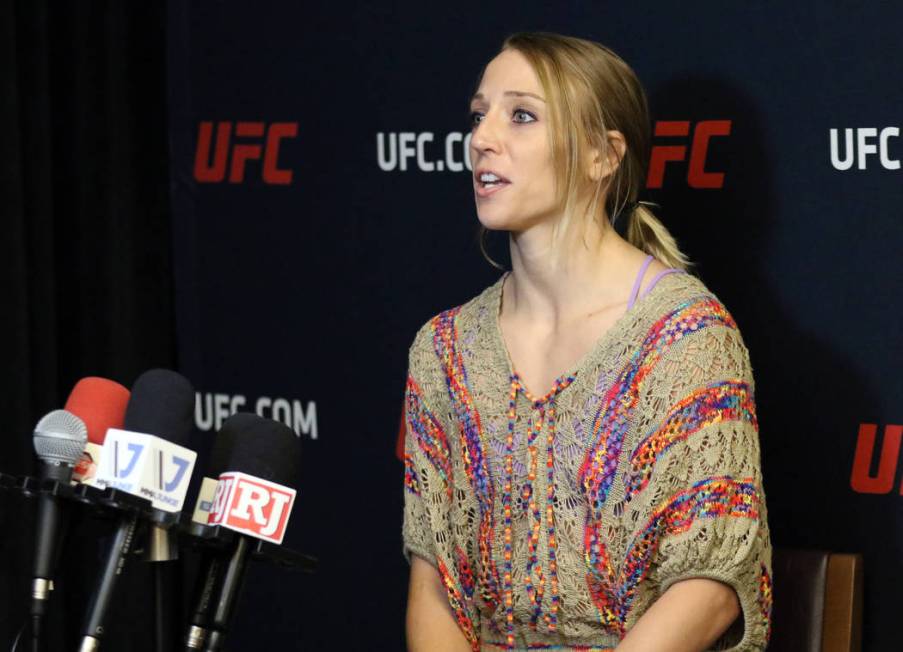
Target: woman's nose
486	135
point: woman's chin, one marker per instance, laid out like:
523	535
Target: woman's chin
496	222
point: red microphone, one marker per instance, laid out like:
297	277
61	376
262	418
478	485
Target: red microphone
101	404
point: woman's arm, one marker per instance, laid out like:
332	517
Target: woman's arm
430	623
688	617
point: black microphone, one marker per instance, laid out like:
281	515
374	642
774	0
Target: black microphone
264	464
161	404
212	561
59	440
165	408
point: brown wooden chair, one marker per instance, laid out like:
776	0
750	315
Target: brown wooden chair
817	601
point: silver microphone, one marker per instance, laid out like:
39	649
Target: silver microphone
59	440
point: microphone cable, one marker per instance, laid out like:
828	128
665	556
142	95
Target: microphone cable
19	637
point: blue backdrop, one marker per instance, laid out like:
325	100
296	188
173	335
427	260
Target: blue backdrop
323	211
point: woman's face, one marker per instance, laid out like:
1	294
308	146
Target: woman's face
510	140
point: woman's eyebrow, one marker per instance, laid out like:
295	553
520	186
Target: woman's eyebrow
480	96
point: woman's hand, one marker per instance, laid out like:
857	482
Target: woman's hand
688	617
430	623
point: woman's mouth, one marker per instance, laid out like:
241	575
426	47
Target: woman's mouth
488	183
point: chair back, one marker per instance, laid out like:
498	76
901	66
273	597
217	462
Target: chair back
817	601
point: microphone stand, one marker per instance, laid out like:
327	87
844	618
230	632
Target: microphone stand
100	599
163	553
231	587
224	557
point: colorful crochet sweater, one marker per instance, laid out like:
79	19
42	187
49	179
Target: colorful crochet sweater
556	521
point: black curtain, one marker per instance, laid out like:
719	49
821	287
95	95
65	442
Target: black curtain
85	256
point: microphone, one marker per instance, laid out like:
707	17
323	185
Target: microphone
219	459
101	404
59	439
162	405
254	498
139	461
211	561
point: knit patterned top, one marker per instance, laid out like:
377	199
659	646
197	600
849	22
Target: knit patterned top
556	521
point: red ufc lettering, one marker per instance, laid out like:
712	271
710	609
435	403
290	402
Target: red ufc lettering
241	153
697	176
252	506
882	482
248	148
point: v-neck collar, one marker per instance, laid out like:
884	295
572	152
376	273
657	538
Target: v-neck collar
566	378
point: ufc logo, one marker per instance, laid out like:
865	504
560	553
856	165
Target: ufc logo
252	506
882	482
697	176
859	144
253	142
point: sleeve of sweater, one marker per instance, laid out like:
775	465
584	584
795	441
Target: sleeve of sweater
428	528
696	470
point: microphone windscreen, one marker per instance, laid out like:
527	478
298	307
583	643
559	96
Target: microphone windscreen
60	438
100	403
162	404
263	448
221	453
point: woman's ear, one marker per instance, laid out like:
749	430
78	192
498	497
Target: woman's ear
603	166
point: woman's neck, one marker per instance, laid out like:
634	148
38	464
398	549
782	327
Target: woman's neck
586	278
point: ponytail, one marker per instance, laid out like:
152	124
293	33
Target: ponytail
645	231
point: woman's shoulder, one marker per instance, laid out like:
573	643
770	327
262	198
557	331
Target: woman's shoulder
690	324
442	331
683	292
449	322
683	310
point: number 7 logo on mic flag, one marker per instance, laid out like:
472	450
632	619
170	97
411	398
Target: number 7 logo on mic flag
146	466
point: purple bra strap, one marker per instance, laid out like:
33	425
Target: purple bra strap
639	279
670	270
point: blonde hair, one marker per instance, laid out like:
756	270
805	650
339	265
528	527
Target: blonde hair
590	90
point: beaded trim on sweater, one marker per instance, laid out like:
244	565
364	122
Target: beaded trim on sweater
555	522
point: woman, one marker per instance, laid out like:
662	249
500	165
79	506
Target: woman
582	461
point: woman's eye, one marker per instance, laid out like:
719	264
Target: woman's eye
521	112
520	116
